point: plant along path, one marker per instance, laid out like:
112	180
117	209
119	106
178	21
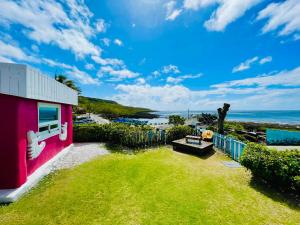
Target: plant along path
156	187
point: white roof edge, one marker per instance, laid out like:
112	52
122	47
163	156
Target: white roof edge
25	81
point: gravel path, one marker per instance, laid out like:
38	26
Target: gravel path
79	154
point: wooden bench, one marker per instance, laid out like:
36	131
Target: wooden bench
193	139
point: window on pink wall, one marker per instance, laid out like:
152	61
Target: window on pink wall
49	117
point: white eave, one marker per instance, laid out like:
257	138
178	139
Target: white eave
27	82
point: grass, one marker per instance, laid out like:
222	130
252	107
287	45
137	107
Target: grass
155	187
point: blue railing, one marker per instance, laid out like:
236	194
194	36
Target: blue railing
229	146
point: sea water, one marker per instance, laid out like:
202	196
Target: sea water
282	117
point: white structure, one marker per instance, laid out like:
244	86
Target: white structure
27	82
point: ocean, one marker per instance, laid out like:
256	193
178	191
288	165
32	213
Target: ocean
282	117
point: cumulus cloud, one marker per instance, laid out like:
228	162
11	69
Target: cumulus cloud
118	42
117	74
46	21
245	65
179	79
282	16
140	81
107	61
156	73
106	41
89	66
249	62
10	52
101	26
171	12
266	60
170	69
283	78
79	75
227	11
251	93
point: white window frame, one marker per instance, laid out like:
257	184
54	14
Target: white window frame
50	132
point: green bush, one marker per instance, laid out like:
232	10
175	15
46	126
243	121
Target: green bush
176	120
280	169
178	132
120	134
128	135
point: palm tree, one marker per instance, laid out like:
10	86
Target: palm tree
64	80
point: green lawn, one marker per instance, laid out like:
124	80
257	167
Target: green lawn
156	187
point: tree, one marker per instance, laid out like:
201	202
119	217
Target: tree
207	118
64	80
89	109
176	120
222	112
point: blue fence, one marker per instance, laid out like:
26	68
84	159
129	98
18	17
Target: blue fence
283	137
229	146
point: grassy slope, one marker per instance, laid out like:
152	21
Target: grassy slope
108	107
158	187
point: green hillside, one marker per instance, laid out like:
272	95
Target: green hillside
111	109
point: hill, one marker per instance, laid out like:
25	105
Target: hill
111	109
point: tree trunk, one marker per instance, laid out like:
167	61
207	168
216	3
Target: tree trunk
222	114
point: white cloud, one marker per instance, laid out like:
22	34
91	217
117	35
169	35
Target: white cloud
289	78
241	94
101	26
156	73
89	66
266	60
179	79
297	37
170	69
118	42
249	62
9	53
245	65
46	21
35	48
227	11
140	81
282	16
80	76
171	12
106	41
117	74
107	61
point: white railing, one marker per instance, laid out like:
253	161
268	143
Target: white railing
229	146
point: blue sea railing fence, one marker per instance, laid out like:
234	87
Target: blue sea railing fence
229	146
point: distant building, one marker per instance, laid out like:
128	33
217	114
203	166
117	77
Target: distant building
36	125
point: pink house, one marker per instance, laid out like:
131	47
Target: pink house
36	127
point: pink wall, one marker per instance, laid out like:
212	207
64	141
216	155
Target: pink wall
17	117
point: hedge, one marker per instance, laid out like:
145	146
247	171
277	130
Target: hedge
178	132
128	135
280	169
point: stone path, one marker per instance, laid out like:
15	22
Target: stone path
80	153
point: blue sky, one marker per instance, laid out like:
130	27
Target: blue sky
163	54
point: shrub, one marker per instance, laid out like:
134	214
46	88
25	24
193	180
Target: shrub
280	169
128	135
176	120
178	132
120	134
